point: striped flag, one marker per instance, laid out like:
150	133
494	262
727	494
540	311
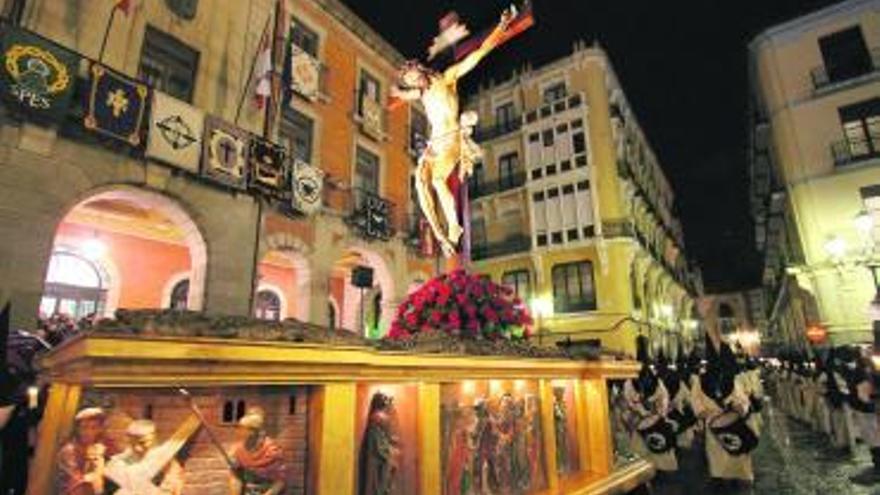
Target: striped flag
263	71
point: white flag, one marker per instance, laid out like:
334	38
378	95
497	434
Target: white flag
263	72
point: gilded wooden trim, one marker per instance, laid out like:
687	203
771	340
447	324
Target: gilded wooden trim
336	448
549	431
582	405
430	450
111	361
55	428
598	434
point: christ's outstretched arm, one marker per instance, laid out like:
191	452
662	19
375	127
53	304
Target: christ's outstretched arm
452	74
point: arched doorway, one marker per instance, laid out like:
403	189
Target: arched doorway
268	304
373	318
288	272
143	245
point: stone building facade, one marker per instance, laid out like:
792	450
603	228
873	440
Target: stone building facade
150	235
814	169
572	207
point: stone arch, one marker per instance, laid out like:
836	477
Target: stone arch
171	208
284	307
296	251
382	277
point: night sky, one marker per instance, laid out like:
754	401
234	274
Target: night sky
682	65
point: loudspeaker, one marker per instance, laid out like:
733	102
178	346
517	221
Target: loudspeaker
362	277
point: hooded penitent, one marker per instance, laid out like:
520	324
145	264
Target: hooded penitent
646	383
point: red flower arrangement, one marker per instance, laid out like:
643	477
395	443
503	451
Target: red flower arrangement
462	304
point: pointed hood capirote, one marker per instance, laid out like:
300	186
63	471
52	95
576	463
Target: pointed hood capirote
646	382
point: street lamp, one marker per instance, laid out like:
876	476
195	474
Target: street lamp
541	306
864	223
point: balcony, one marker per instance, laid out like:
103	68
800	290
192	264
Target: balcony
851	151
488	133
824	78
370	215
506	183
518	243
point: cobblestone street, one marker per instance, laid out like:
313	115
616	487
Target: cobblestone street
790	460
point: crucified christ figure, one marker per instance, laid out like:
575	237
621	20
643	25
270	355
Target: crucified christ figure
450	143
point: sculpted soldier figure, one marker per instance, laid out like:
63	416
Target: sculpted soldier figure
450	142
258	458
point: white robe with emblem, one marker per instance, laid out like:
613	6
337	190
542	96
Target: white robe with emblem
721	464
658	405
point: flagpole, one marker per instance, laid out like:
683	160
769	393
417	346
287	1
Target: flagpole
244	90
107	32
269	117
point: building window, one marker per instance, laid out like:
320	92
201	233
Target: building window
505	114
304	38
634	287
555	92
478	232
520	282
331	316
233	410
180	295
168	65
478	179
268	305
508	169
579	143
573	288
845	54
861	128
366	174
368	88
300	131
547	137
74	287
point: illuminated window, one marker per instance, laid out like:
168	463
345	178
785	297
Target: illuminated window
268	305
74	286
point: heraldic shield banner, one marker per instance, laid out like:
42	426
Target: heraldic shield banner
116	105
37	75
176	130
225	153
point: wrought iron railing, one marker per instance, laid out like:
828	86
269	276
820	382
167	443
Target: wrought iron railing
477	189
514	244
487	133
822	77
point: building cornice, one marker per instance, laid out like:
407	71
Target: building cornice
814	20
356	26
